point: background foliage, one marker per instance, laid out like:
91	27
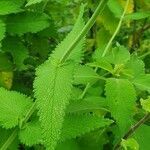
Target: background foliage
105	102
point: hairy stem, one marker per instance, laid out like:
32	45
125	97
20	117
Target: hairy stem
84	31
10	140
117	30
133	129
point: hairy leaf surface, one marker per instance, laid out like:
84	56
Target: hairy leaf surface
121	99
27	22
53	86
13	107
10	6
80	124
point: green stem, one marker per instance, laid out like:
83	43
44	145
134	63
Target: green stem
144	55
29	113
84	31
10	140
117	30
133	129
108	45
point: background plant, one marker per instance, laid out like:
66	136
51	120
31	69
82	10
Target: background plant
91	91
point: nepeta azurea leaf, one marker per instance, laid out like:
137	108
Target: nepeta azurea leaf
10	6
27	22
84	75
121	98
143	82
135	66
77	125
53	86
118	55
18	51
80	124
13	107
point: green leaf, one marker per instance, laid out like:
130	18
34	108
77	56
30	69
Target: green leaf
2	30
143	82
108	20
104	64
137	15
121	98
29	139
115	7
13	107
84	75
27	22
80	124
9	6
32	2
18	51
130	143
77	125
135	67
145	104
53	86
142	136
118	55
88	104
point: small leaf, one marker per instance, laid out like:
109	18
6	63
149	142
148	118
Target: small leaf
130	143
13	107
118	55
102	64
9	6
6	79
115	7
29	139
143	82
27	22
84	75
18	51
145	104
137	15
135	67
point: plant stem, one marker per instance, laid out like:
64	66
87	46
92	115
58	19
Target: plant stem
144	55
29	113
10	140
107	46
132	129
84	31
117	29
